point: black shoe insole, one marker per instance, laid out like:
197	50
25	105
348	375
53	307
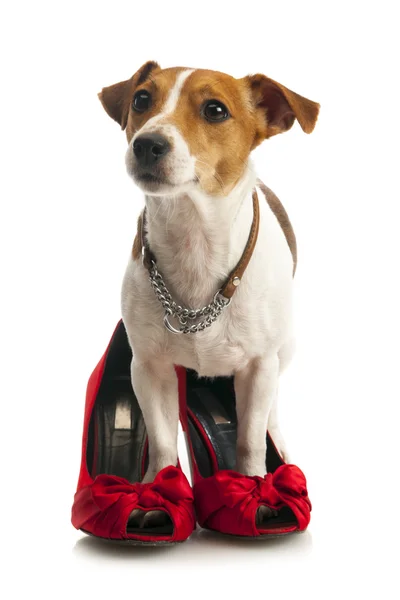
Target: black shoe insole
120	440
120	431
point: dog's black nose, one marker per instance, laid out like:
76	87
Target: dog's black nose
149	148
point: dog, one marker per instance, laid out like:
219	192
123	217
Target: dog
190	134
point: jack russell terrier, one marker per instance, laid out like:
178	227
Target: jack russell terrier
209	283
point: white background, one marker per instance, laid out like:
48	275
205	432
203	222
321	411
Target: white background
68	221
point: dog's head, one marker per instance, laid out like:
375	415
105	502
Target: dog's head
191	128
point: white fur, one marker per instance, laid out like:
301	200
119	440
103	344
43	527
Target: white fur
175	92
198	240
179	164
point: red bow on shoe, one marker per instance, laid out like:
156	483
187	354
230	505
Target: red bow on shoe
103	508
228	501
169	485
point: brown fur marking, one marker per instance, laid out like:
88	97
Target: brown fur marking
259	107
137	243
283	219
279	107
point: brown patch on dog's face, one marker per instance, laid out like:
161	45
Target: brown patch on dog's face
117	98
204	152
158	84
221	148
277	107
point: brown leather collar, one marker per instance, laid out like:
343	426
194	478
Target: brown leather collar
236	275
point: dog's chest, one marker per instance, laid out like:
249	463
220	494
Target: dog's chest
241	332
221	349
253	324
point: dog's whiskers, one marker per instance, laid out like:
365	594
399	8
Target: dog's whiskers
170	211
152	219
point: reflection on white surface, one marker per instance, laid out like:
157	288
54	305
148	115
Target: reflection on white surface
203	545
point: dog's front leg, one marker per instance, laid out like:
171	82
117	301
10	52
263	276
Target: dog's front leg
156	387
255	388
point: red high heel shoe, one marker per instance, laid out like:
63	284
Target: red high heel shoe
114	460
225	500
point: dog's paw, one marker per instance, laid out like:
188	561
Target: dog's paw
152	519
264	514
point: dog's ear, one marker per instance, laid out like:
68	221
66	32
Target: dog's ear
280	106
116	99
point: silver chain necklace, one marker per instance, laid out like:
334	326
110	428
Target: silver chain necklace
208	314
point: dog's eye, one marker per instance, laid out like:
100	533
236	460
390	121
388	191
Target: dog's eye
141	101
215	111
